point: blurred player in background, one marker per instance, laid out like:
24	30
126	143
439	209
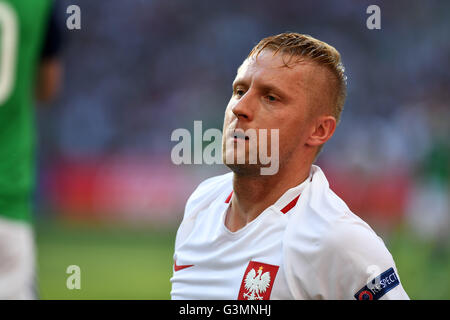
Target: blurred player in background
250	236
29	68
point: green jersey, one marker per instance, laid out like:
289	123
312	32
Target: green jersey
22	29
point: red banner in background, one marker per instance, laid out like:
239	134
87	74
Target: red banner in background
376	196
119	189
155	190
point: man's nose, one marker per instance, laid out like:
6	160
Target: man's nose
244	108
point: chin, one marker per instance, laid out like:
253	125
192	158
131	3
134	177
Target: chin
245	170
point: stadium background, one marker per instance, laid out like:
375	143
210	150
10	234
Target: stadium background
109	198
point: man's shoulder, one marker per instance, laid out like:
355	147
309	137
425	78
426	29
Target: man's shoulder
208	190
327	246
343	226
326	224
333	225
348	232
213	185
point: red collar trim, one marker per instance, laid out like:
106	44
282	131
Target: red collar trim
229	197
285	210
290	205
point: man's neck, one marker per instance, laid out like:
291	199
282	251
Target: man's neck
253	194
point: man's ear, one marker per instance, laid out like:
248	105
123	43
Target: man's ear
323	130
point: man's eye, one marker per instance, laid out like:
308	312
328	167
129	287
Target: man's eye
271	98
240	92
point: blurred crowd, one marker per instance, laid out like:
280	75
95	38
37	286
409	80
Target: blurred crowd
137	70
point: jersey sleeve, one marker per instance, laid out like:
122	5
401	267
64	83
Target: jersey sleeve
350	262
363	268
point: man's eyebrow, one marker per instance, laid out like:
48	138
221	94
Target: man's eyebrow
275	89
262	87
265	87
238	82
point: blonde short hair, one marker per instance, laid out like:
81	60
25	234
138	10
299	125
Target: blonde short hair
305	46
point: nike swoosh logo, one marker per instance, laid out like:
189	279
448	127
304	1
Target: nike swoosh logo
181	267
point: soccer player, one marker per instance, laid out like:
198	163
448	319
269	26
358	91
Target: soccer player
287	235
28	65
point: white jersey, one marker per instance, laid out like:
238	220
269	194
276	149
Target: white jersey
307	245
17	260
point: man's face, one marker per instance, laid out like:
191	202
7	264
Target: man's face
269	95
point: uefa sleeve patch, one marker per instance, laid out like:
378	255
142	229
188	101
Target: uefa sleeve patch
379	286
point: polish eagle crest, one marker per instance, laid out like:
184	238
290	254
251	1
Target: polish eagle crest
256	283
